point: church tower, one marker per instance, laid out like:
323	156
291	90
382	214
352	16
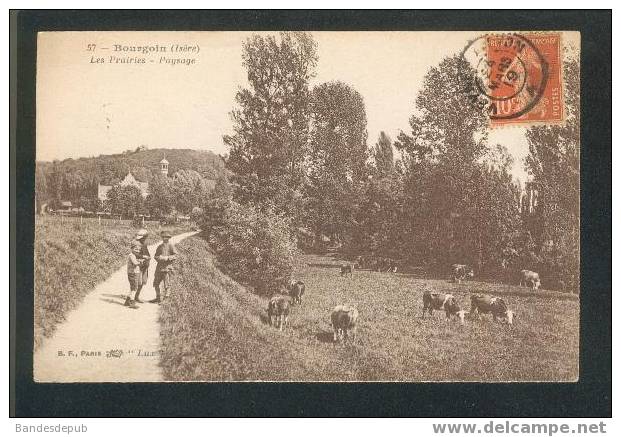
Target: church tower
164	167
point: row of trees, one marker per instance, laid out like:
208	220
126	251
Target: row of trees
301	153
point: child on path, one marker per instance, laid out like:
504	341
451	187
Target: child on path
134	274
145	256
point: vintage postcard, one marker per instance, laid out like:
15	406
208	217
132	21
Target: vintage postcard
307	206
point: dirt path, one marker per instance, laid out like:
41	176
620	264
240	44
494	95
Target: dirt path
79	350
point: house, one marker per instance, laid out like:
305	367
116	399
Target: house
129	180
102	190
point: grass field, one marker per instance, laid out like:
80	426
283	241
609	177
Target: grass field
70	258
213	329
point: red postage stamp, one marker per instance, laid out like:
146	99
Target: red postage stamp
519	76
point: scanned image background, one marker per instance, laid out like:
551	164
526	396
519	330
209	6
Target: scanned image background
321	206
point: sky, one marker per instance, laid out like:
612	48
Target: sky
87	108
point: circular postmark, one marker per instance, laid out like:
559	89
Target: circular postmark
504	74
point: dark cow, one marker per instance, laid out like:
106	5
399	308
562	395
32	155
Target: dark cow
278	311
461	272
442	302
483	304
347	268
530	279
296	291
344	321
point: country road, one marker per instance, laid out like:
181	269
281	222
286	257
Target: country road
104	341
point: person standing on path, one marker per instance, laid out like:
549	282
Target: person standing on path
165	255
133	273
141	238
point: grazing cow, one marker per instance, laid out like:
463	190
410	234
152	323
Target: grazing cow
344	320
442	302
483	304
347	268
392	267
296	291
278	311
530	279
461	272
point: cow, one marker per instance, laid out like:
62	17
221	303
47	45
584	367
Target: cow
387	265
392	266
278	311
530	279
443	302
347	268
296	291
483	304
461	272
344	320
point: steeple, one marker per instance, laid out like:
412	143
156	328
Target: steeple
164	166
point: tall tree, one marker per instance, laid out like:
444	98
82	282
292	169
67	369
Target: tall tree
338	155
554	163
41	188
384	156
271	122
161	200
125	200
448	126
190	189
459	190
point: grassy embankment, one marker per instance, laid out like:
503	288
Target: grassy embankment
70	259
213	329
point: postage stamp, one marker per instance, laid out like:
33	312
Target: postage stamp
517	77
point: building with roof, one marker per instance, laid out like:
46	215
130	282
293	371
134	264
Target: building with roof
130	180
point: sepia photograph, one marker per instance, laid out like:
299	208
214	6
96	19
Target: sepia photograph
307	206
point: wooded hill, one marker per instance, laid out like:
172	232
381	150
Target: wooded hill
143	163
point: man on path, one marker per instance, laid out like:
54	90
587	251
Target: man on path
165	255
141	238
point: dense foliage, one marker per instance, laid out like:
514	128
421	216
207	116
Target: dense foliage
255	247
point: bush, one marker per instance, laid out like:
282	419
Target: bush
254	247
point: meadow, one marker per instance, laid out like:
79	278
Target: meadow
213	329
71	257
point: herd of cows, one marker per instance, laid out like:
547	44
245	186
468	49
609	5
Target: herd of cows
344	318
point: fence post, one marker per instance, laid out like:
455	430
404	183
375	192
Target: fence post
80	218
99	220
